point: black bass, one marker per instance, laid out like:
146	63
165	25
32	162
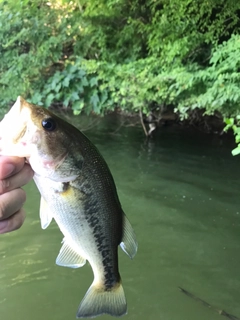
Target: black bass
78	191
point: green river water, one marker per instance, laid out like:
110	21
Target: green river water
181	192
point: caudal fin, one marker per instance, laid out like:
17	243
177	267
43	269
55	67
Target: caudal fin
98	301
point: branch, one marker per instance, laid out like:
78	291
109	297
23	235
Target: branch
142	123
206	304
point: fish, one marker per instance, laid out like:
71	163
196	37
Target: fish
77	191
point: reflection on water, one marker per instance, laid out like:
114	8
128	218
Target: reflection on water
28	277
28	264
181	193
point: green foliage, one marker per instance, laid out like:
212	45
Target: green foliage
216	88
234	124
141	84
72	87
94	56
33	40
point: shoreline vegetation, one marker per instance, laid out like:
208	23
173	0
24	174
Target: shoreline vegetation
165	61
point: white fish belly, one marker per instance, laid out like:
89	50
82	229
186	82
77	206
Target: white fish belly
69	215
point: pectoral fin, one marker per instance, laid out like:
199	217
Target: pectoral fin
129	242
45	214
69	257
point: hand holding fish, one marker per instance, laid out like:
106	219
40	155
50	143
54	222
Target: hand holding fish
14	173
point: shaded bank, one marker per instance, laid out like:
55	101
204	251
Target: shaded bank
157	119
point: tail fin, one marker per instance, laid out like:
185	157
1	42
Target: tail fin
98	301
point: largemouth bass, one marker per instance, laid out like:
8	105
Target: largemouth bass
78	191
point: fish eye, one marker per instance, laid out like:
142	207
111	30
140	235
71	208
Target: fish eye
49	124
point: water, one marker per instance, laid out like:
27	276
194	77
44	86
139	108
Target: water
181	193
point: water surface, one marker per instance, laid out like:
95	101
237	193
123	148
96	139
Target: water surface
180	190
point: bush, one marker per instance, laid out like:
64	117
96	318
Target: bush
138	55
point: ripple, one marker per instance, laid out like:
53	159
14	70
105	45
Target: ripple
29	277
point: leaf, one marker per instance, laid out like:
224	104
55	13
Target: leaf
81	73
58	87
66	100
94	100
76	112
77	106
36	98
49	99
236	151
66	81
237	138
74	96
93	82
229	121
84	82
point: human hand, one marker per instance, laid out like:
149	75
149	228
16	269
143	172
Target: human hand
14	173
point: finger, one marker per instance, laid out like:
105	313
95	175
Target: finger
16	181
11	202
13	223
10	166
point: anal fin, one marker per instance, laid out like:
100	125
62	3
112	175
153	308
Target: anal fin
129	242
69	257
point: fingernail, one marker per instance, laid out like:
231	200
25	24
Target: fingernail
3	224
